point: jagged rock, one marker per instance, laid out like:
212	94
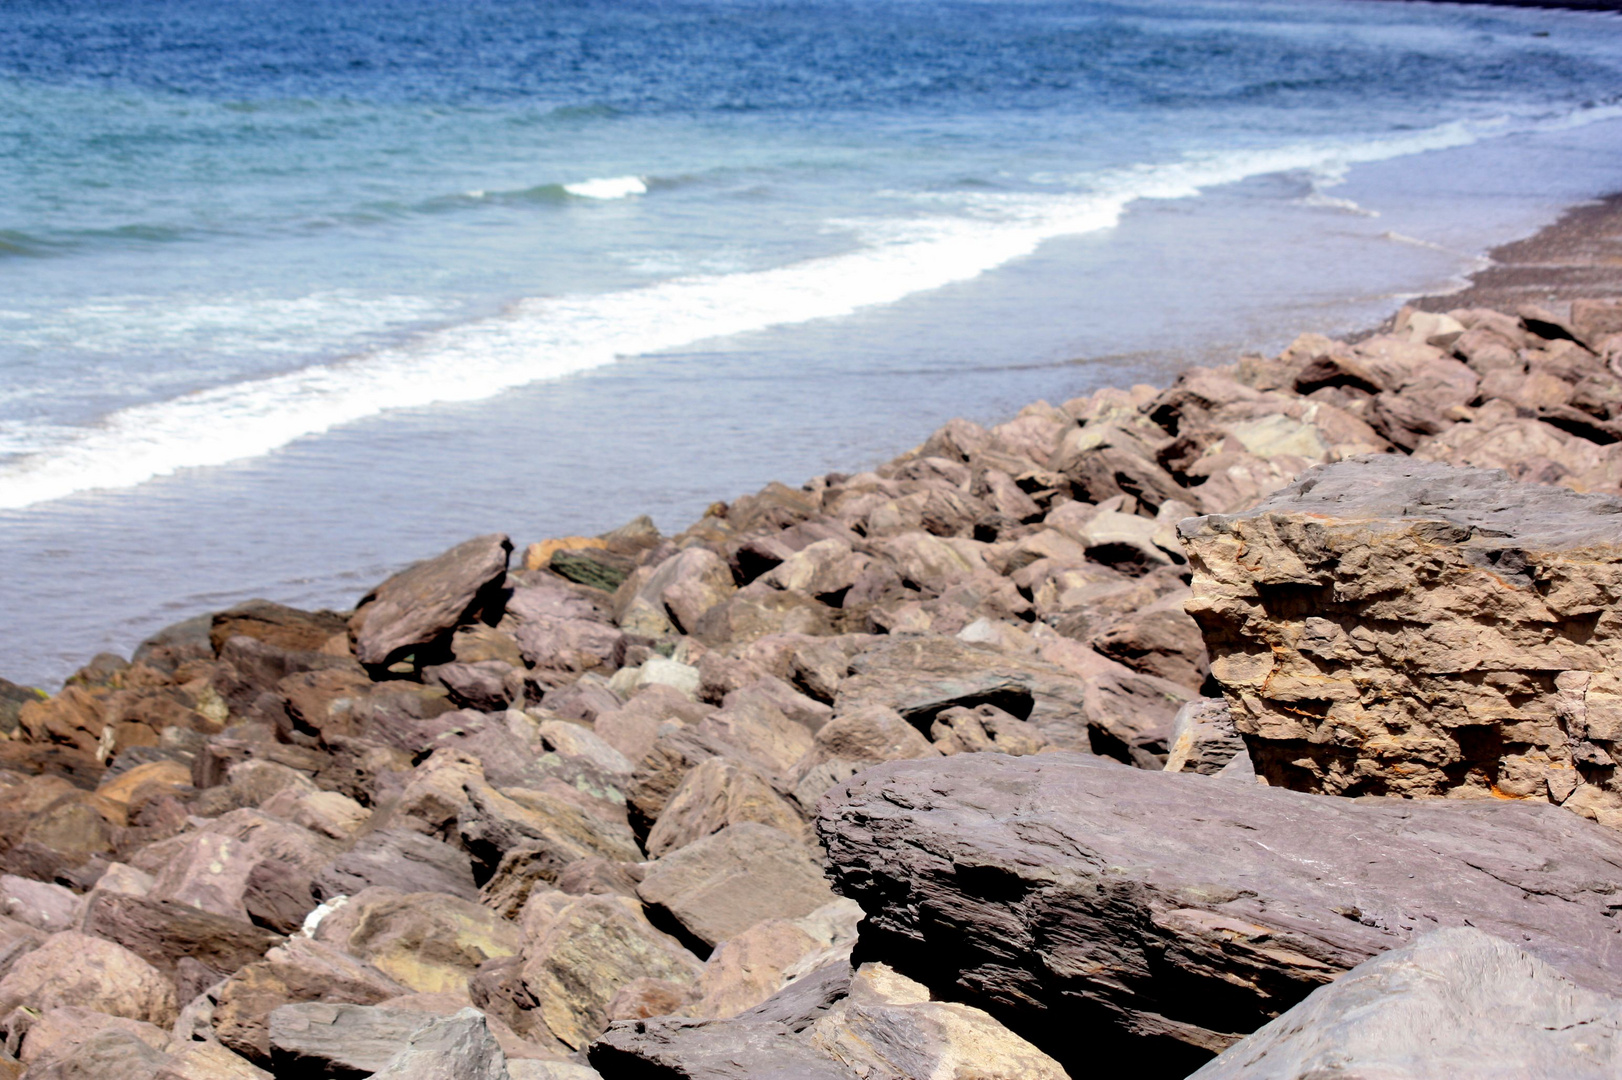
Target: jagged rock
427	942
1169	914
1159	639
275	624
162	932
746	969
420	606
1407	628
550	832
1203	738
724	884
489	685
399	859
717	793
300	970
459	1046
763	1043
676	594
633	728
109	1052
1455	1002
345	1041
645	997
985	728
71	968
210	868
580	951
888	1026
209	1061
41	1037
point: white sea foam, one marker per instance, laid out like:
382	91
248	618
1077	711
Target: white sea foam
549	338
610	187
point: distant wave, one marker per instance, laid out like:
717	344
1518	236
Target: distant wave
541	339
613	187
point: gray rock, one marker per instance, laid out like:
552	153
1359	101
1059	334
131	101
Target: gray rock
456	1047
1170	914
315	1038
723	884
423	603
1454	1003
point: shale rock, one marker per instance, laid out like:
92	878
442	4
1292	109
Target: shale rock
1455	1002
1390	626
1203	738
421	605
1183	910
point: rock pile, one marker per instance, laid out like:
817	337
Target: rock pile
561	820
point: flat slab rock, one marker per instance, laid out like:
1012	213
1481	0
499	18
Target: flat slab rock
1454	1003
1389	626
1166	915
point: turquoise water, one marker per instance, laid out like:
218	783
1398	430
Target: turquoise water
292	293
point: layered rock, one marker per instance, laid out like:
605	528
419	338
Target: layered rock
1396	627
1168	915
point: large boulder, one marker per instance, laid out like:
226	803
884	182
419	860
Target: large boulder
72	968
1391	626
1455	1002
1168	914
422	604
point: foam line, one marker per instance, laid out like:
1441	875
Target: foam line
548	338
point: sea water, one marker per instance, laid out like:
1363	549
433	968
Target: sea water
292	293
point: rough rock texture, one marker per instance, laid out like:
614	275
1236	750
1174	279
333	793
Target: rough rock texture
71	968
1181	909
1454	1003
422	604
1389	626
349	1041
724	884
1203	738
459	1046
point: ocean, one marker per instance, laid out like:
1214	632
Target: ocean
293	293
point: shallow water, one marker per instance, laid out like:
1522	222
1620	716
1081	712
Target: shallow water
290	296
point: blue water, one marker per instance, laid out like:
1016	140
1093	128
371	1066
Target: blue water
292	292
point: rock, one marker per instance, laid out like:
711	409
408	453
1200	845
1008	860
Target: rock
1406	628
1203	738
632	729
657	671
350	1041
459	1046
1160	640
717	793
645	997
888	1026
489	685
177	644
209	1061
530	1069
275	624
43	1037
399	859
71	968
851	742
1454	1002
418	608
578	741
985	728
723	884
677	593
750	967
109	1052
580	951
300	970
210	868
426	942
763	1043
162	932
44	906
1192	910
550	832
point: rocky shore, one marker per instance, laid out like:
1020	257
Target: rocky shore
1263	725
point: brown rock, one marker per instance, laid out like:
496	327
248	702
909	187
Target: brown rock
275	624
71	968
987	729
419	607
1400	627
162	932
723	884
427	942
580	951
300	970
717	793
1160	639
